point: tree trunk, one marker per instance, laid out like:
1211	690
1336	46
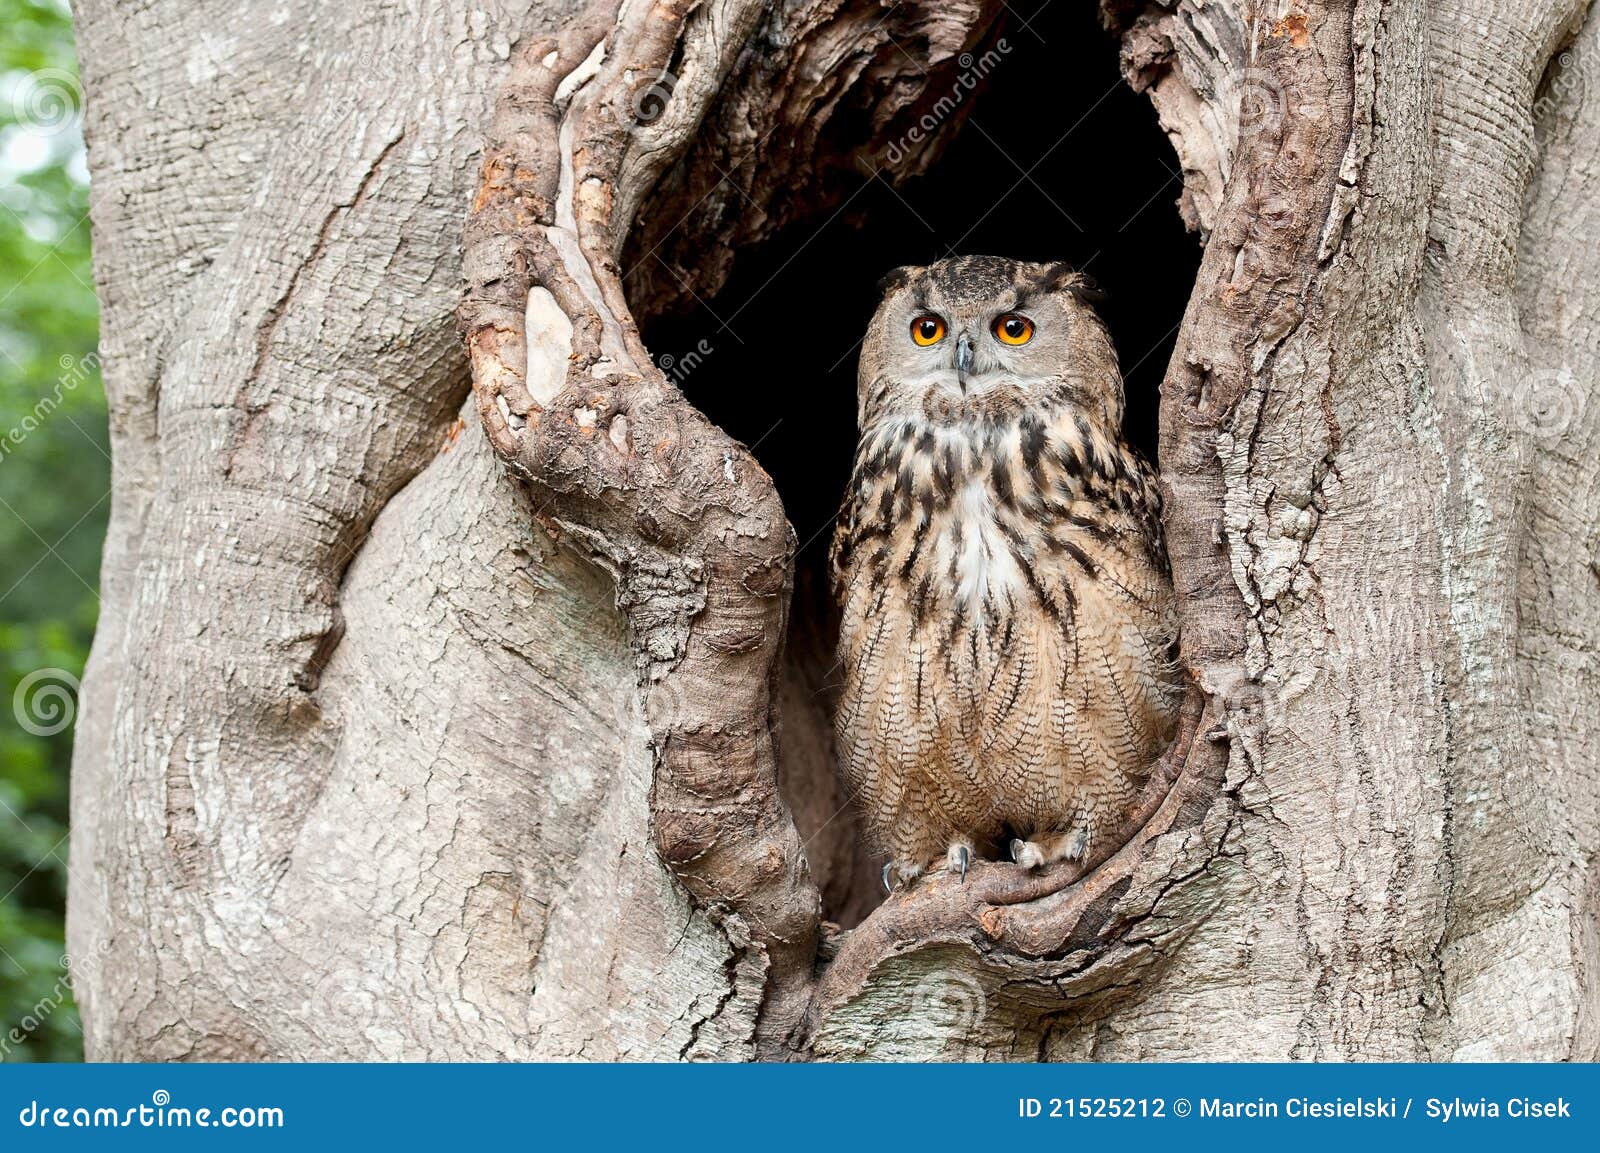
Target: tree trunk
400	740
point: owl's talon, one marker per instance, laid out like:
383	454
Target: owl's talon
887	887
958	858
1026	853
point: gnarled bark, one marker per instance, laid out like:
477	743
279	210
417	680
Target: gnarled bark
403	741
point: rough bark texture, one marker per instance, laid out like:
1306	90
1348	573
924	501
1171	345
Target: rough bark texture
400	740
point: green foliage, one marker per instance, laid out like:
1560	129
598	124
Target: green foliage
54	500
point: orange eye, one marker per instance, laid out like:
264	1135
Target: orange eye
927	329
1013	328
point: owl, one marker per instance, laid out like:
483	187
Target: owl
1008	638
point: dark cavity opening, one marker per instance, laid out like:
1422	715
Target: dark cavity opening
1058	160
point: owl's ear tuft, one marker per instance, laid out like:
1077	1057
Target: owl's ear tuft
895	278
1062	277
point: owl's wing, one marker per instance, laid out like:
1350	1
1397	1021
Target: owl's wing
1145	501
843	535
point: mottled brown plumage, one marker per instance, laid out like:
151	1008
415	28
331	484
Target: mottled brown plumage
1008	629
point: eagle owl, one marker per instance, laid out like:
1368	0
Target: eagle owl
1008	632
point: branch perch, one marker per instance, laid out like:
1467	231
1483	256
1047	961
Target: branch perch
586	131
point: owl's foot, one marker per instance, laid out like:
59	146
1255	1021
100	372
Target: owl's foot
1027	854
1048	848
899	874
958	858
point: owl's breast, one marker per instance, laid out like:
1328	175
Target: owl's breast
1004	609
971	549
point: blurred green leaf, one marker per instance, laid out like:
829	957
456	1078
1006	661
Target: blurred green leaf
54	500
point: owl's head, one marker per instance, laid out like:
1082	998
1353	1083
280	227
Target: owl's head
984	336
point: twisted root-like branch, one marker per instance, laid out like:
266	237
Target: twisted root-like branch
1048	935
681	515
692	529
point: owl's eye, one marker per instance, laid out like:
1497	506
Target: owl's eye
1013	328
927	329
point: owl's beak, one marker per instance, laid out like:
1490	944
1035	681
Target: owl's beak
963	359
